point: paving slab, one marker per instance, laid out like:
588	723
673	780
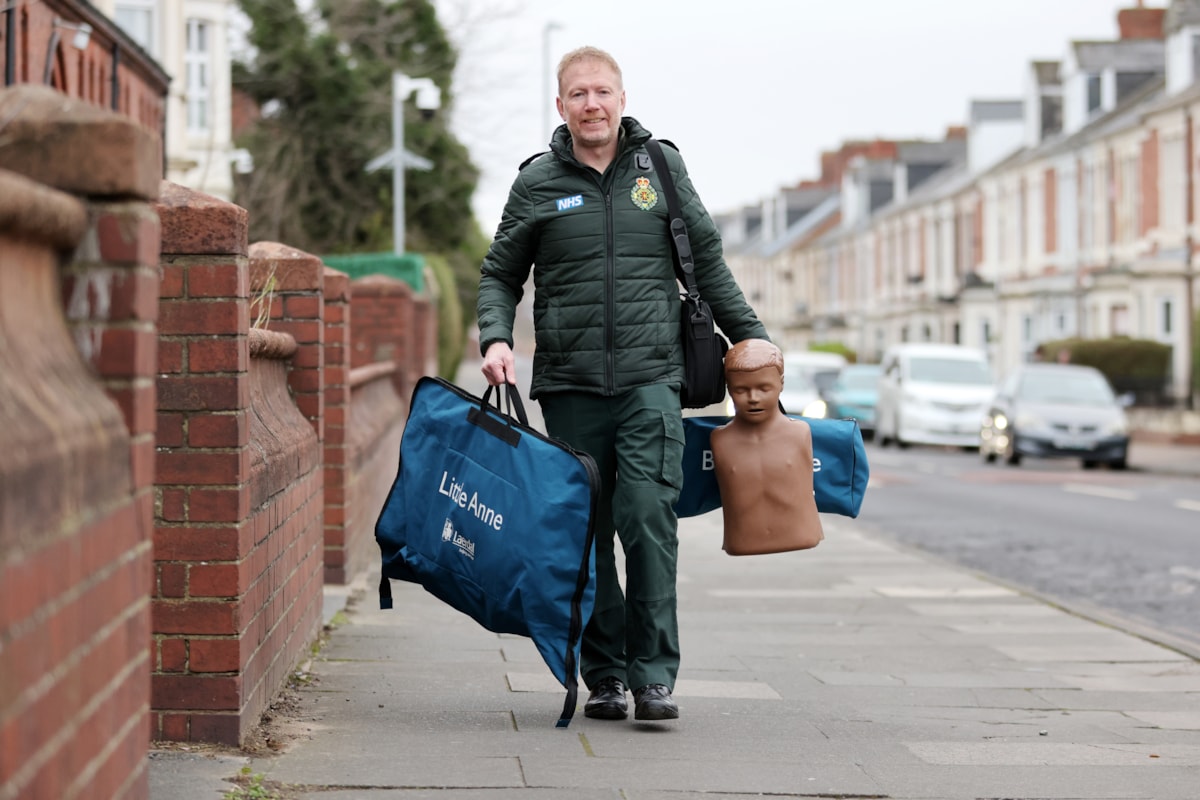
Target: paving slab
852	670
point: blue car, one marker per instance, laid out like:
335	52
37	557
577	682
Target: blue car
853	396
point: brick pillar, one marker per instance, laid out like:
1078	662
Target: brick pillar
296	308
338	512
76	447
381	312
424	355
202	530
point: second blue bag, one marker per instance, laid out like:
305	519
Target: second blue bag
840	470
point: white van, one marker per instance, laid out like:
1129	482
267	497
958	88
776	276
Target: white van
932	394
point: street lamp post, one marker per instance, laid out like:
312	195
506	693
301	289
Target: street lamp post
546	91
429	99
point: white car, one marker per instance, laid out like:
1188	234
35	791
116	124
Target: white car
933	394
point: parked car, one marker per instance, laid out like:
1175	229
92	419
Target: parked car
807	375
932	394
1056	411
854	395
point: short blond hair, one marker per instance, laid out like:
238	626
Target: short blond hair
588	54
749	355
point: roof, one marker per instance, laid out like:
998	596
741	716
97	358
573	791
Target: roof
1123	55
1047	73
1181	13
997	110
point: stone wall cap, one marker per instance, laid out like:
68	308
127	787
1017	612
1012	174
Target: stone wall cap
294	269
195	223
271	344
77	147
31	210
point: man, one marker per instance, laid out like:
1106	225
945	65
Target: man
763	460
608	362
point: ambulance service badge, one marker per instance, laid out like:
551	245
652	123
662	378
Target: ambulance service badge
643	194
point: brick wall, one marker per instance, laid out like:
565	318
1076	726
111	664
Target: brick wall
381	325
76	449
377	415
339	511
236	547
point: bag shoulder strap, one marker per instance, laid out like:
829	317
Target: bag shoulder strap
680	244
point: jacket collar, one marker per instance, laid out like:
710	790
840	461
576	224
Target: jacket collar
630	136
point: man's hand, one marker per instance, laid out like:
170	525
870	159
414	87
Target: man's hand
498	364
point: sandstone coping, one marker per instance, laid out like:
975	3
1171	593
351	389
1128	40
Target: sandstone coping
337	284
33	211
294	270
195	223
271	344
77	147
371	372
380	286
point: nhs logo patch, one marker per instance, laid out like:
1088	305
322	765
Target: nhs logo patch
567	203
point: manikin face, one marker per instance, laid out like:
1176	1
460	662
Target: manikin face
755	393
591	100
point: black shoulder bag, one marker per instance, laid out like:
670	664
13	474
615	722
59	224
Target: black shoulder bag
703	348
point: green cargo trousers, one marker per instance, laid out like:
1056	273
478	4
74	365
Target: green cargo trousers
636	439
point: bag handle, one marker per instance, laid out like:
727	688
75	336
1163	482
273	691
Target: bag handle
681	245
503	428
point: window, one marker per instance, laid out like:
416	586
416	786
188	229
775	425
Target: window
1093	92
198	67
1165	318
1118	317
138	19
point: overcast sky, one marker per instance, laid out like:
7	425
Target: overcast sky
753	90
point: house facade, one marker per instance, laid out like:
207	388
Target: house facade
190	39
1067	212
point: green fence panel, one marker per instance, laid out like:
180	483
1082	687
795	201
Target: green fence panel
409	267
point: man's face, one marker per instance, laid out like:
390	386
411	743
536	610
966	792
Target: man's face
590	101
755	393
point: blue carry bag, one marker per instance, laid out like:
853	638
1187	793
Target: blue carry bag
495	519
840	469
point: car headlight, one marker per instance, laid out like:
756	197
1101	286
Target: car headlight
999	422
816	409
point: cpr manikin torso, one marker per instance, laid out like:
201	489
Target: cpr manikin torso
763	460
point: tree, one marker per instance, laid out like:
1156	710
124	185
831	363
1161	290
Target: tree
324	84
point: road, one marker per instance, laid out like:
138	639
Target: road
1118	546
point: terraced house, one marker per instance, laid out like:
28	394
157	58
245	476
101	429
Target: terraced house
1070	211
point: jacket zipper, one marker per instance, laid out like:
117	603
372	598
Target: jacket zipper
610	298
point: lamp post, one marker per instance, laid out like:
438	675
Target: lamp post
546	91
429	99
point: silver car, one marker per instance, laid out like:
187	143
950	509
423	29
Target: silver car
1056	411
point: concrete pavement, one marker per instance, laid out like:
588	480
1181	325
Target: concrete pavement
857	669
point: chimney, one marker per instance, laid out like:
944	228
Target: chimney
1141	22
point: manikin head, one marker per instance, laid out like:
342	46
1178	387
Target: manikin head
754	377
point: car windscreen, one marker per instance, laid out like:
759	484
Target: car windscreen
959	371
859	380
1068	388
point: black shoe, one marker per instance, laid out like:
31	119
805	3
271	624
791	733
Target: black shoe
607	700
654	702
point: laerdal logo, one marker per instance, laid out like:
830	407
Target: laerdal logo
464	545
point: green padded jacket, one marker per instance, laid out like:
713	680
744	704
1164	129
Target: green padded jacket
606	302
